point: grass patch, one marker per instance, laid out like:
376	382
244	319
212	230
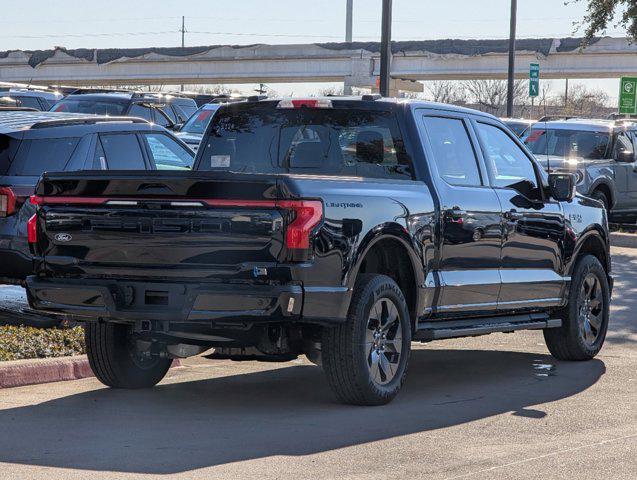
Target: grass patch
17	343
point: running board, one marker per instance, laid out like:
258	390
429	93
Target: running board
427	331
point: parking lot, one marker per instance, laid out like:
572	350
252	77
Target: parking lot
491	407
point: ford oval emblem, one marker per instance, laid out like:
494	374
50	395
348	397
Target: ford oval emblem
63	237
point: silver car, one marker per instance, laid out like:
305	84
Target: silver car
601	154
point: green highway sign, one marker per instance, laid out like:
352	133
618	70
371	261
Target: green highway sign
534	80
628	96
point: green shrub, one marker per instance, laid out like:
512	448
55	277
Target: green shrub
27	342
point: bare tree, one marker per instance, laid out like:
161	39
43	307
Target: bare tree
491	95
583	102
445	91
338	91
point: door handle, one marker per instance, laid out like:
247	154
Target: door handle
513	215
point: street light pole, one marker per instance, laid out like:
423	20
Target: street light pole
349	20
511	77
385	49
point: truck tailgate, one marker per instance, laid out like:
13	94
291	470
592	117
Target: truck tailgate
163	226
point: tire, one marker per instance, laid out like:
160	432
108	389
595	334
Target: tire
601	197
362	366
584	323
113	359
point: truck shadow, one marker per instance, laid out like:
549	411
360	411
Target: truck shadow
179	427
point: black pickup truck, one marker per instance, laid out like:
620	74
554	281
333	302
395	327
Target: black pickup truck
339	228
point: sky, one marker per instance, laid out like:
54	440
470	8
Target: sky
38	24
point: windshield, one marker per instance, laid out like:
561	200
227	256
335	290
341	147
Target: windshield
569	143
198	123
348	142
96	107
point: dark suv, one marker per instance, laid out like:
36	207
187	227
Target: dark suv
34	142
168	111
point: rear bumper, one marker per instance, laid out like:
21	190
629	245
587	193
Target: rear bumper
132	301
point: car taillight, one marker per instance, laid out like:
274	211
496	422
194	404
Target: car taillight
32	229
308	214
305	103
7	202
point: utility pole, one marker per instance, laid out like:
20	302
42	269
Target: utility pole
349	20
385	49
183	37
511	76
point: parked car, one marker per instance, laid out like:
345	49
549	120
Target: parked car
28	98
284	241
519	126
169	111
34	142
600	153
193	130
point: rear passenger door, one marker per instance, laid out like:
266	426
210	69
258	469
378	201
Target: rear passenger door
533	225
467	267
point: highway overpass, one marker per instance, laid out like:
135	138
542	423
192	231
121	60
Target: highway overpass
356	64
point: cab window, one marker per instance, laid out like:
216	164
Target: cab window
507	164
453	153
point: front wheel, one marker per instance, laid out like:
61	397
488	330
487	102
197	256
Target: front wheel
115	360
365	359
585	318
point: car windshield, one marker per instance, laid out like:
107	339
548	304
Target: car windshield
97	107
589	145
198	123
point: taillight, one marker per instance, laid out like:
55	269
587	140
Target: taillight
32	229
7	202
308	214
305	103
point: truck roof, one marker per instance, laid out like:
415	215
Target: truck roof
371	100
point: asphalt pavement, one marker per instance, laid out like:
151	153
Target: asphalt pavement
494	407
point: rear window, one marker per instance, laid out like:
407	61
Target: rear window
95	107
35	157
352	142
199	121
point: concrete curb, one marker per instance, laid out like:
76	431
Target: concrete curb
624	240
18	373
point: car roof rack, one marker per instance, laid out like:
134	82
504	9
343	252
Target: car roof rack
371	97
61	122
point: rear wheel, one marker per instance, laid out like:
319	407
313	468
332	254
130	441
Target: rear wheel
115	360
585	318
365	359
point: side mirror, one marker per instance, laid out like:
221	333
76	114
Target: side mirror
178	126
625	156
562	186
